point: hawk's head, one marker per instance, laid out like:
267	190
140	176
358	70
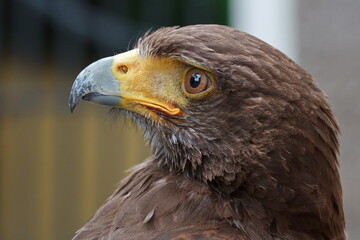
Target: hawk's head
223	107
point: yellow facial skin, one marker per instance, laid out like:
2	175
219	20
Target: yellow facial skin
150	85
150	82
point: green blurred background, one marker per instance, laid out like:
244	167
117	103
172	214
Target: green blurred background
56	169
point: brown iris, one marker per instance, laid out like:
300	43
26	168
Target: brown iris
196	81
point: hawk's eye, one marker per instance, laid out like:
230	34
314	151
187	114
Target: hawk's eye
196	81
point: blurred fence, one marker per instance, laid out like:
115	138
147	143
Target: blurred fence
55	168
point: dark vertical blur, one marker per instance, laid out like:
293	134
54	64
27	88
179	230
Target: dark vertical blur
55	168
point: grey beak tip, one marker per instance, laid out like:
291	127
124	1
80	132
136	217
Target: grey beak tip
72	108
73	102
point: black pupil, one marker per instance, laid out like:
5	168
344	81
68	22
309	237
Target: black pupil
195	80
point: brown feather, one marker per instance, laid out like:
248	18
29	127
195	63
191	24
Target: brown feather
153	204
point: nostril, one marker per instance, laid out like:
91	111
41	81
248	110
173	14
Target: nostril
122	68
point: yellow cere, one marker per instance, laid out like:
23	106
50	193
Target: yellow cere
151	82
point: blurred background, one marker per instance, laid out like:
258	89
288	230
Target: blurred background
56	169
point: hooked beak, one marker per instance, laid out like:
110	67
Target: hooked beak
96	83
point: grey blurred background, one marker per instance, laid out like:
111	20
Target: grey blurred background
56	169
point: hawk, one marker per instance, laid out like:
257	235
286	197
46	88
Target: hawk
244	144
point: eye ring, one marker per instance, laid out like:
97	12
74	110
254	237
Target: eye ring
196	81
